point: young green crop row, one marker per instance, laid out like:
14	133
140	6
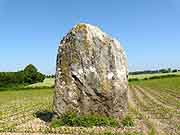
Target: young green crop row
153	104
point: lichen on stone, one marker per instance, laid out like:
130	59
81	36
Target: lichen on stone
106	85
80	27
91	67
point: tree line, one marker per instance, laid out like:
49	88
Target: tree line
169	70
29	75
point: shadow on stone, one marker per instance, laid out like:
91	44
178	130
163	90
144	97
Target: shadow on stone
44	115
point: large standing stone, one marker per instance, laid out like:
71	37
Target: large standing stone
91	74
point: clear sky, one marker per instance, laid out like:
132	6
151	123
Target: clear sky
30	30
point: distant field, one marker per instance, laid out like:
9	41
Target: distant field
142	76
153	104
48	82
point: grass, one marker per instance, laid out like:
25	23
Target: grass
172	83
21	111
74	120
159	100
154	108
142	76
47	83
18	107
128	121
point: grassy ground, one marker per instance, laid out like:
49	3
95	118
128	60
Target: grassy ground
142	76
153	104
158	101
48	82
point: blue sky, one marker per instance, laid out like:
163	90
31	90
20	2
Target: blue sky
30	30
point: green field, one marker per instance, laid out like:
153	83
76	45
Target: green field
17	108
158	102
142	76
48	82
153	104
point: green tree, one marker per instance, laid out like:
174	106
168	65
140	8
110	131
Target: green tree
30	74
40	77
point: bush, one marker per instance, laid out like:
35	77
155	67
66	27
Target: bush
40	77
30	72
128	121
74	120
133	79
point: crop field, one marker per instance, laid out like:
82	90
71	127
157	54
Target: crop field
142	76
18	109
158	103
154	106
